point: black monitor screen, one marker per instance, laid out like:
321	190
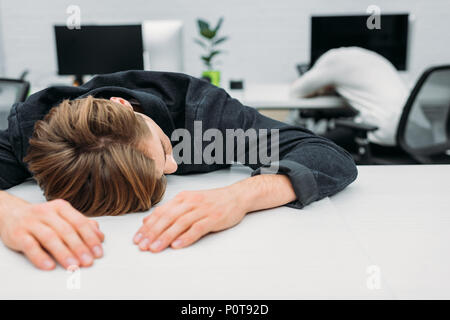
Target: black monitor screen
99	49
390	41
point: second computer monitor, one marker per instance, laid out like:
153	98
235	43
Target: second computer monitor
163	45
390	40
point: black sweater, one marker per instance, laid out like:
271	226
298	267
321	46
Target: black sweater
316	167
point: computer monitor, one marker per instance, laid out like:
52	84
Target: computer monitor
163	45
390	41
97	49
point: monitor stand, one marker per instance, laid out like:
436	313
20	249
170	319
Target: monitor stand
78	80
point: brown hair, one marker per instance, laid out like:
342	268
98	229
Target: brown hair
88	152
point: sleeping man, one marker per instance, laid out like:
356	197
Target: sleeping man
104	149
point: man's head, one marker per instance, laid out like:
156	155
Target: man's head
101	156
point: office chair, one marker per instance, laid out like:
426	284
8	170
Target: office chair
11	91
423	133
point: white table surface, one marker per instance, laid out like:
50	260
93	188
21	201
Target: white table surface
394	218
276	96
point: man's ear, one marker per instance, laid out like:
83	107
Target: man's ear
122	102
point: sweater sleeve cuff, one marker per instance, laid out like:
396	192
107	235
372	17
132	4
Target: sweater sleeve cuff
301	177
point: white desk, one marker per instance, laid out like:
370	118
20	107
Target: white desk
273	96
276	96
396	218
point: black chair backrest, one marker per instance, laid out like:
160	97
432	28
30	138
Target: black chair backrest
11	91
423	128
17	89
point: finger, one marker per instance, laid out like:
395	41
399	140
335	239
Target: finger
34	252
182	224
150	221
91	238
146	223
97	230
146	218
50	240
143	237
83	226
195	232
164	220
72	239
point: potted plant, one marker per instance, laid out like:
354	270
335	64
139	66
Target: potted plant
209	42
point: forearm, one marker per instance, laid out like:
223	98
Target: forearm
192	214
263	191
310	84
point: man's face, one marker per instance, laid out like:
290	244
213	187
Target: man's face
158	146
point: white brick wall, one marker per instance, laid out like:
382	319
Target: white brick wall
267	37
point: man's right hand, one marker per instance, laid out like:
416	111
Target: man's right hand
49	231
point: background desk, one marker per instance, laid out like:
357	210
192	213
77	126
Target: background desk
276	96
273	96
394	218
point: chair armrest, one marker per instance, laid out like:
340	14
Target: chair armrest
357	126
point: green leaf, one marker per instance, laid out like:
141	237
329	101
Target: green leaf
207	59
208	34
205	29
219	23
213	54
200	42
202	24
220	40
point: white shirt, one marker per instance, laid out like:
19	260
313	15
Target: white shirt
367	81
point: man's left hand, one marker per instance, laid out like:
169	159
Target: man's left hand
189	216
